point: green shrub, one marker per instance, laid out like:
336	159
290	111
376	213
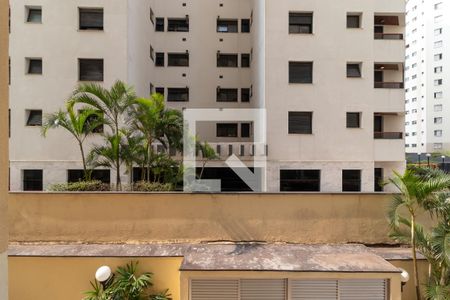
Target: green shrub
144	186
80	186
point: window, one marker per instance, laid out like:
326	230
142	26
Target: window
245	25
227	95
78	175
227	130
353	70
438	57
300	122
438	107
300	72
354	21
438	6
90	69
227	60
438	120
437	70
245	95
178	59
245	130
245	60
438	95
34	66
32	180
378	175
227	25
351	180
438	133
152	53
300	180
300	22
437	146
438	31
159	90
34	14
34	117
91	18
178	94
159	26
94	119
180	25
438	44
353	120
438	82
159	59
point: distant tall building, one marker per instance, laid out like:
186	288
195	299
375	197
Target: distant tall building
427	76
329	73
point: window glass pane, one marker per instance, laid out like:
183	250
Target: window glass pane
178	60
300	122
159	24
159	60
178	94
245	130
353	21
300	22
300	72
34	118
227	130
78	175
351	180
34	15
91	69
32	180
91	19
245	25
180	25
35	66
227	95
353	120
300	180
227	25
227	60
245	60
353	70
245	95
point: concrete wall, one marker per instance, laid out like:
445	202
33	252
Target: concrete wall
409	290
3	147
300	218
68	278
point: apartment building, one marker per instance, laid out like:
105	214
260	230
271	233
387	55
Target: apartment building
427	73
329	75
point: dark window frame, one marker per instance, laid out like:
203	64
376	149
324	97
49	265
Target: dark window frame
227	130
33	184
229	25
34	117
246	130
301	72
245	60
300	122
35	66
178	24
178	59
84	13
76	175
301	22
245	26
245	95
82	63
354	70
301	180
351	180
33	12
227	95
178	94
227	60
160	24
351	121
353	21
160	60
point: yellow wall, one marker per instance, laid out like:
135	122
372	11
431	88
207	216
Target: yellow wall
46	278
393	277
301	218
409	291
3	145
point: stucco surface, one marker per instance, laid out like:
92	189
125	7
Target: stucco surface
142	218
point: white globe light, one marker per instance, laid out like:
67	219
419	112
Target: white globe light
103	273
404	276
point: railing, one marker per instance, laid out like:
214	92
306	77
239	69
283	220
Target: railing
388	135
223	150
389	85
388	36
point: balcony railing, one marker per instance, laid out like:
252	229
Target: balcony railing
388	135
389	85
388	36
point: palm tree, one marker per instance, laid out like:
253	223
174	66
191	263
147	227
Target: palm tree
112	103
207	153
133	152
157	124
416	193
79	124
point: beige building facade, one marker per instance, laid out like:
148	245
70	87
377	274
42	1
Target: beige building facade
331	86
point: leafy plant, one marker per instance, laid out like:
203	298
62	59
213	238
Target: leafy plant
126	284
80	186
424	190
144	186
79	124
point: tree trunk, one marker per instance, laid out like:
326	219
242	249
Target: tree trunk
118	183
85	171
413	242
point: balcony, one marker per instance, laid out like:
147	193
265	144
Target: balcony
388	76
389	26
388	135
